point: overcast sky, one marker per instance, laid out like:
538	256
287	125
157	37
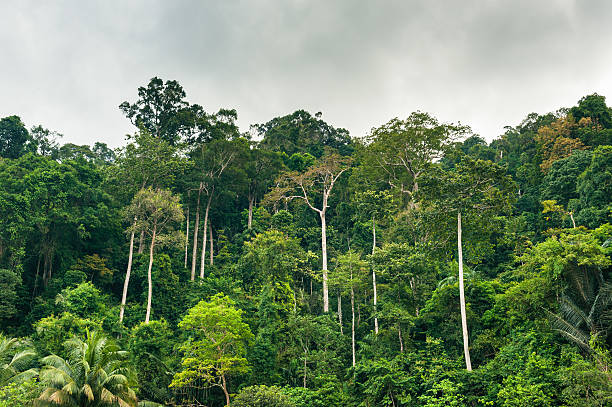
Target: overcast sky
68	64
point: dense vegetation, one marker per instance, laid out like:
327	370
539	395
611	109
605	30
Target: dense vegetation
294	265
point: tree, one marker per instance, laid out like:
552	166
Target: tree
594	187
401	151
374	205
155	211
44	141
162	110
94	374
213	162
479	189
16	357
217	343
318	179
300	132
349	276
13	137
555	141
261	169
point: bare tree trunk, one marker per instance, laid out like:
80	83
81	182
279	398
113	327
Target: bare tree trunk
251	204
401	341
187	237
194	256
466	347
149	278
572	218
340	312
210	232
141	243
127	277
227	397
203	259
374	276
324	256
353	320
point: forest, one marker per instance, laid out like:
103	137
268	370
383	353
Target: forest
297	265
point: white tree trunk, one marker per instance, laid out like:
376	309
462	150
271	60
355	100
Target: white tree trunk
127	278
374	276
466	347
251	204
205	230
141	243
324	256
340	312
353	320
212	251
187	237
149	278
194	256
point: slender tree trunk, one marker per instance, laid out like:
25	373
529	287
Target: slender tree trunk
401	341
572	218
141	243
227	397
127	277
340	312
374	276
212	251
305	354
149	277
353	320
187	237
36	278
466	347
203	259
251	204
194	256
324	256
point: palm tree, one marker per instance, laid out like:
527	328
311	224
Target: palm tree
585	311
14	360
93	375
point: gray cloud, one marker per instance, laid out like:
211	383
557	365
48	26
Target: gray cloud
68	64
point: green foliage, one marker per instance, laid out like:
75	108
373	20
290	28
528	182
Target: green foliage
263	396
16	357
20	394
52	332
84	300
150	347
216	344
539	296
9	282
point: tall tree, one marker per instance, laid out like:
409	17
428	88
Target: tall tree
300	132
261	169
213	162
350	275
13	137
155	211
146	162
401	151
479	190
314	185
162	110
374	205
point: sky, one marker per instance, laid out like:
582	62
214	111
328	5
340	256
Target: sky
69	64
